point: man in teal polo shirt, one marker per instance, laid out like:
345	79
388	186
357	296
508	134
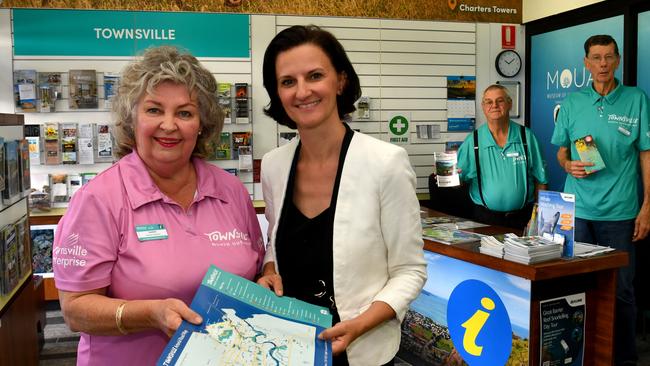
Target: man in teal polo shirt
510	170
607	204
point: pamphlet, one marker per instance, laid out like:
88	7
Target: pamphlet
562	330
588	152
445	169
248	323
449	236
555	219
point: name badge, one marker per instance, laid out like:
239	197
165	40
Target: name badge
623	131
151	232
512	154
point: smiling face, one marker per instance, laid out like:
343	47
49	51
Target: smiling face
602	62
308	85
167	127
496	105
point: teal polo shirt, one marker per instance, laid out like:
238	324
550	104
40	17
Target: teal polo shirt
618	122
506	185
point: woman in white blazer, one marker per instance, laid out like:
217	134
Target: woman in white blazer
344	224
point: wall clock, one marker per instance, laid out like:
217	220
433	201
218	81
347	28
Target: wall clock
508	63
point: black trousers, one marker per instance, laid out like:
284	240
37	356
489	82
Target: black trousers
516	220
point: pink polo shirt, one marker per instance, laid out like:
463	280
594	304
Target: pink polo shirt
97	245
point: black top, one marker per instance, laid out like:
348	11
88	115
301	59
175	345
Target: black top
304	246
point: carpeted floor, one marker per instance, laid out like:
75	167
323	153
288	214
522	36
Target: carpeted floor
60	347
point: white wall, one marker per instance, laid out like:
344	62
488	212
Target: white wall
536	9
402	65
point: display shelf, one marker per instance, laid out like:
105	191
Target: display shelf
5	300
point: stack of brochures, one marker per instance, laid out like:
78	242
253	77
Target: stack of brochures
586	250
493	244
450	222
530	249
449	236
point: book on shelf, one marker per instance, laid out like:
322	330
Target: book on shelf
83	89
86	143
25	90
49	86
33	137
3	177
12	188
555	219
51	143
24	252
10	262
24	168
449	236
245	322
588	152
69	143
224	98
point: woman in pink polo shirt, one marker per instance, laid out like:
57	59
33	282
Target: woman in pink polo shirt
136	241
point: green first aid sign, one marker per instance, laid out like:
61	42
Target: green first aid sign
398	127
52	32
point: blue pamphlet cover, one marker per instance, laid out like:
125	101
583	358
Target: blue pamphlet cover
556	219
246	324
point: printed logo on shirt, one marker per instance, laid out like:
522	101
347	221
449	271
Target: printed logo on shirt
233	238
622	120
70	253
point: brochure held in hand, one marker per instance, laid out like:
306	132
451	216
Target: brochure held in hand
246	324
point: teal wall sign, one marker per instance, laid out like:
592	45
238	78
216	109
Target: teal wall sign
51	32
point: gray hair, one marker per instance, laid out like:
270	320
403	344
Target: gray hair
498	87
157	65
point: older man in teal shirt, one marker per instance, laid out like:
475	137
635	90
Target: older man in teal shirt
510	170
607	204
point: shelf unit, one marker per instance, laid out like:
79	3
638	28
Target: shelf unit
19	310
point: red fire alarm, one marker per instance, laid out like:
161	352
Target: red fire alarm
508	36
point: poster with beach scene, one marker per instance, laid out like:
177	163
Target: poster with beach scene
467	315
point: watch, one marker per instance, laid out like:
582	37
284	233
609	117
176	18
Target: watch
508	63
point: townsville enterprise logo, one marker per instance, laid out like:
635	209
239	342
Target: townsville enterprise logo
479	324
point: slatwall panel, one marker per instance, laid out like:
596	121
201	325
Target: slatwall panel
403	67
224	69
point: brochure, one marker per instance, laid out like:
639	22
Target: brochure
446	170
555	219
245	322
562	329
586	147
448	236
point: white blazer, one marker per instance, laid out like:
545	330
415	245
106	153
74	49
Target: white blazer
377	248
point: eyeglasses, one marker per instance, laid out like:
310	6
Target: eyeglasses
490	102
609	58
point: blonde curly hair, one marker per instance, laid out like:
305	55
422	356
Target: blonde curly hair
157	65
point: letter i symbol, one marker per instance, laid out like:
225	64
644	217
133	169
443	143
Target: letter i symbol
474	325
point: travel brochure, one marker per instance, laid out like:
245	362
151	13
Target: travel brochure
562	330
555	219
586	147
245	322
449	236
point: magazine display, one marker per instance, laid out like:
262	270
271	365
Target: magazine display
240	139
223	147
555	219
33	137
51	145
49	85
11	163
586	147
69	143
104	144
241	102
111	83
224	97
245	322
